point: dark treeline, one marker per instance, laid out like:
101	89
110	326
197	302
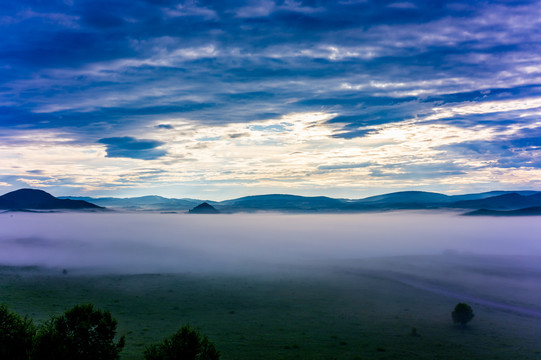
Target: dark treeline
86	333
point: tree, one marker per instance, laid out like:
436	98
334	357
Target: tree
186	344
462	314
81	333
15	335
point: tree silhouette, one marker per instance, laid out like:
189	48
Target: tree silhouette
15	335
186	344
81	333
462	314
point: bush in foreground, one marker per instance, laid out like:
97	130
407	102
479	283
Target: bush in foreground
186	344
15	335
82	333
462	314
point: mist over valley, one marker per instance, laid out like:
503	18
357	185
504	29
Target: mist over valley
299	278
153	242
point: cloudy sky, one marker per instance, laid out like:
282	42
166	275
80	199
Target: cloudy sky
220	99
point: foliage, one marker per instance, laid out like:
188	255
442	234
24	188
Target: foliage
15	335
81	333
462	314
186	344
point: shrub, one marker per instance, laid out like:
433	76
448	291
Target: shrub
15	335
462	314
81	333
186	344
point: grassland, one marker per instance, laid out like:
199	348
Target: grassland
352	311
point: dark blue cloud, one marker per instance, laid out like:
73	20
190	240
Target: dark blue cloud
420	172
521	150
130	147
344	166
94	66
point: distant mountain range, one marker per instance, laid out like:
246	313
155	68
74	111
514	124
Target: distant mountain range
142	203
495	203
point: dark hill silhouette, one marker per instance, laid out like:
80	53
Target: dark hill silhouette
530	211
34	199
484	195
282	202
536	198
509	201
402	200
204	208
421	197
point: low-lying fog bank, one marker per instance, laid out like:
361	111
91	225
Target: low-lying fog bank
136	243
303	286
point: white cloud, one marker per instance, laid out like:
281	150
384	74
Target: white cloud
402	5
190	8
65	20
486	107
296	6
259	8
284	153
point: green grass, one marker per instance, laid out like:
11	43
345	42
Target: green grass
323	315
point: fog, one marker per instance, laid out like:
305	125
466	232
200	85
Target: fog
150	242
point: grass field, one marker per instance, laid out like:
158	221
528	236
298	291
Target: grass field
357	310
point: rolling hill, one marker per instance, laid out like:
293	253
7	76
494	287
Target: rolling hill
510	201
141	203
530	211
282	202
33	199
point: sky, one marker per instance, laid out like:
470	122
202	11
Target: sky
222	99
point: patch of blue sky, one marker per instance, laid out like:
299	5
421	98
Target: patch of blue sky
268	128
209	138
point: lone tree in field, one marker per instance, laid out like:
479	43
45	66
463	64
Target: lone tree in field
15	335
82	333
186	344
462	314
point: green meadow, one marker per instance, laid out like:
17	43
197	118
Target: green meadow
354	310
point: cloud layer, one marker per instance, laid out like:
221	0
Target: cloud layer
343	98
